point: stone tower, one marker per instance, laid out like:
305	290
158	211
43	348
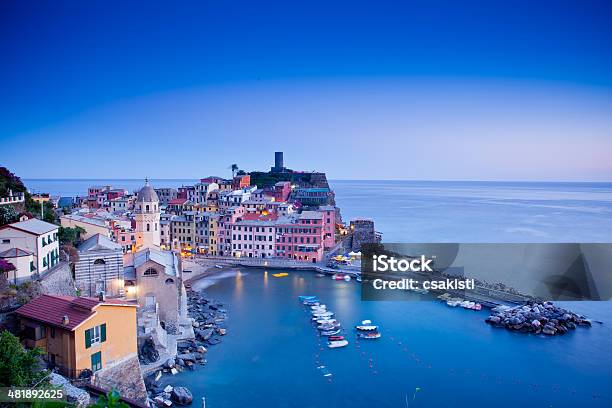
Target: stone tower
147	215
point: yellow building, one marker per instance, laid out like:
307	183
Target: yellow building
78	334
213	234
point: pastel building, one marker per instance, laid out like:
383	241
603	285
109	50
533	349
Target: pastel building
253	236
300	237
100	267
36	237
282	190
329	225
92	225
23	261
78	334
226	220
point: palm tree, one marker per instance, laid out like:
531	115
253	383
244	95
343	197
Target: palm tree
234	168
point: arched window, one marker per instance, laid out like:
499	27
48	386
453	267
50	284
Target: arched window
99	262
150	272
148	227
147	208
169	281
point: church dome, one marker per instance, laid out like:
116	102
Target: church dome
147	194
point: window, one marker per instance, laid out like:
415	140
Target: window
95	335
99	262
169	281
150	272
96	361
6	241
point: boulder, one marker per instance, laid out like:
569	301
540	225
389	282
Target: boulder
181	396
169	363
187	357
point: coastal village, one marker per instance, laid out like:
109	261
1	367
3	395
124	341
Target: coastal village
104	290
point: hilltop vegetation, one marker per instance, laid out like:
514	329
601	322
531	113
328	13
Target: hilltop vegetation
9	181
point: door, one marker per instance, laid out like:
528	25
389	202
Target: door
150	301
96	361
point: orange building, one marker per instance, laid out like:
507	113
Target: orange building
77	333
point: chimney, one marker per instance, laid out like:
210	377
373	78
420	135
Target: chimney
65	320
101	297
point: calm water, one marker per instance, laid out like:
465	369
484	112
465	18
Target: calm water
270	356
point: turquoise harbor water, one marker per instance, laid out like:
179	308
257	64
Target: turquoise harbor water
270	355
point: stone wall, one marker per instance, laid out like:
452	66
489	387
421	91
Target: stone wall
126	377
363	232
58	281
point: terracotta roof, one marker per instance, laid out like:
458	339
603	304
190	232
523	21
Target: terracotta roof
51	309
177	201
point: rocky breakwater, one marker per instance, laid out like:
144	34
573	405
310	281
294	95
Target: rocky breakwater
537	318
208	319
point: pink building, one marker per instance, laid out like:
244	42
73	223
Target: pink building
226	220
282	190
300	237
329	225
253	236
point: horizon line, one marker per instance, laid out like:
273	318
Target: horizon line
329	180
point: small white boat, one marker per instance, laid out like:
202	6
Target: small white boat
325	314
452	303
366	327
317	307
337	344
358	279
347	278
366	322
328	321
219	266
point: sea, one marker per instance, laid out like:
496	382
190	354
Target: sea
429	355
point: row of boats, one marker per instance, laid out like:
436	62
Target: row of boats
330	327
326	323
459	302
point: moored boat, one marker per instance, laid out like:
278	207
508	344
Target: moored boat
328	327
336	338
366	327
370	335
337	344
330	332
347	278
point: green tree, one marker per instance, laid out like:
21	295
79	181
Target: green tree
234	168
8	214
18	367
112	399
69	235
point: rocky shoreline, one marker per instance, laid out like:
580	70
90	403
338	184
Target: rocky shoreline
538	318
208	319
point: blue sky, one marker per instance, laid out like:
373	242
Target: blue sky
486	90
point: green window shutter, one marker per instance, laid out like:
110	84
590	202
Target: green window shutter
87	338
103	333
